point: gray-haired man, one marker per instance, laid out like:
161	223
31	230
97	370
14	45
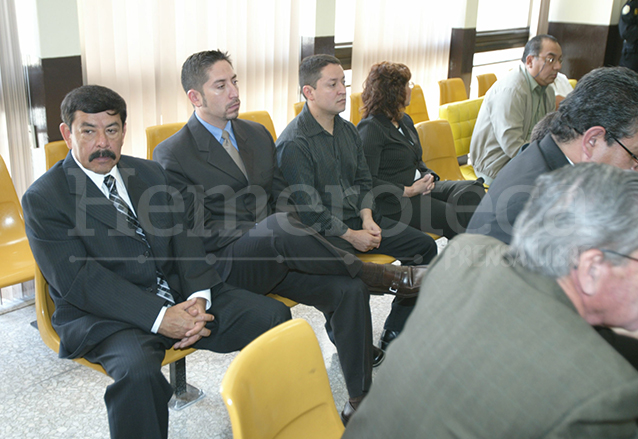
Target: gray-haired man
502	345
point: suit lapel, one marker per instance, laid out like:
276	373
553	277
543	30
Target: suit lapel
136	187
90	199
399	138
213	151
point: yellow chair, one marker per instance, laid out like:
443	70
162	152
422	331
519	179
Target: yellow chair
376	258
417	109
277	387
356	103
573	82
462	118
262	117
54	152
17	260
438	149
184	395
485	81
159	133
298	107
452	90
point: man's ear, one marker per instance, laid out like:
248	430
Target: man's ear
308	92
195	97
592	138
590	271
528	61
66	134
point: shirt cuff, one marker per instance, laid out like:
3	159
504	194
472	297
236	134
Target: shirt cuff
158	320
204	294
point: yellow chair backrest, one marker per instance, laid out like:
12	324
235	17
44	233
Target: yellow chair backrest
262	117
417	109
355	108
54	152
159	133
438	149
17	260
452	90
298	107
485	81
573	82
44	308
277	387
462	118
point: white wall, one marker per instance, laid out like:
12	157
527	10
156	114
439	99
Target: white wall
594	12
59	28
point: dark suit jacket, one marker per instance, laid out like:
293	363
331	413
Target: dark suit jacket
509	192
221	203
392	158
101	274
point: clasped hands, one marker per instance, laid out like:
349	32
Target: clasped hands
369	237
422	186
186	321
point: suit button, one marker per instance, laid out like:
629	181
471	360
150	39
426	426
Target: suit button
141	259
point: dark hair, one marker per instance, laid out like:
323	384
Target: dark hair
384	90
195	68
311	66
535	45
92	99
541	129
606	97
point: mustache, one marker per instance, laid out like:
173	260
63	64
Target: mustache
235	102
102	153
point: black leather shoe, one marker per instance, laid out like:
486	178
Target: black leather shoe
347	412
377	356
403	281
386	337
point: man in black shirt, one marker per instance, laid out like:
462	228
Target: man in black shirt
321	157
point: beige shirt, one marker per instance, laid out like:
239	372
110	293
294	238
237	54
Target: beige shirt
511	108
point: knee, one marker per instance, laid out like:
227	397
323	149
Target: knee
279	313
351	292
139	371
427	249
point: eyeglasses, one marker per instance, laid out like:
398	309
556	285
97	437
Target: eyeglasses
550	59
633	156
619	254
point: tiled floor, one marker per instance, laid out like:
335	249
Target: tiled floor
42	396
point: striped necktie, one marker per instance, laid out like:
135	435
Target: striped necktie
163	290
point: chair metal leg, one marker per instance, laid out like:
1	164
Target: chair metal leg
184	394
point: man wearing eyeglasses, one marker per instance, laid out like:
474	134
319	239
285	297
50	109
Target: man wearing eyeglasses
597	122
513	105
502	346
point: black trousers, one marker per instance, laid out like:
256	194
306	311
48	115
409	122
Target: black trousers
137	401
281	255
405	243
446	211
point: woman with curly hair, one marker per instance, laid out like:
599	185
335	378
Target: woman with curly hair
405	189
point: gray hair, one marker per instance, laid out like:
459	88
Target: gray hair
606	97
575	209
535	45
